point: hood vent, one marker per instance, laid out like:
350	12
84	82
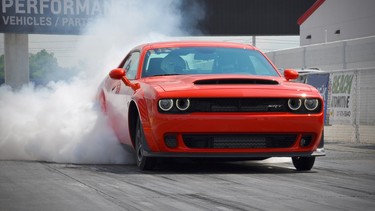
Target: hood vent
236	81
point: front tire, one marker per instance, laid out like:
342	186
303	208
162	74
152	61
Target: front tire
143	162
303	163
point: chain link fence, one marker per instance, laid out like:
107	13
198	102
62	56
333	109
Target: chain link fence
349	97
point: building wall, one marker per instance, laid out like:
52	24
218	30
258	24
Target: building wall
350	52
354	18
339	55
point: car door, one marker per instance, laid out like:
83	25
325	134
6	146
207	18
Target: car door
120	97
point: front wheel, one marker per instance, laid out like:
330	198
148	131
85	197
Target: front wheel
303	163
143	162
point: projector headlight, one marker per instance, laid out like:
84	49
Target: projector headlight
311	104
294	104
165	104
182	104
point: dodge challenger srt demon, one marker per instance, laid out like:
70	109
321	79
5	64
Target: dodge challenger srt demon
211	100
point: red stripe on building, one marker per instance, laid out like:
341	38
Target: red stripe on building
310	11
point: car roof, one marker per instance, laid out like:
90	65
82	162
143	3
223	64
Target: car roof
176	44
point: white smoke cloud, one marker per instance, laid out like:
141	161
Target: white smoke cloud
58	123
62	122
129	23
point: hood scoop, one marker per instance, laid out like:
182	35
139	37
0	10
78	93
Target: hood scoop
235	81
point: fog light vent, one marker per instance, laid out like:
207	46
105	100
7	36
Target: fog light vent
306	140
170	141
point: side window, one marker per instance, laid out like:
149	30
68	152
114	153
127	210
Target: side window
131	65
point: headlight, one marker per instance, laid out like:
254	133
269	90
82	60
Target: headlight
182	104
311	104
165	104
294	104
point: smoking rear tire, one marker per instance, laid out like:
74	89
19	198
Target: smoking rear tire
303	163
143	162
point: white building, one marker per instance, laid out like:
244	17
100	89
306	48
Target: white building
333	20
334	35
338	36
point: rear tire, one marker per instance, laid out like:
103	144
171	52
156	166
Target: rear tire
143	162
303	163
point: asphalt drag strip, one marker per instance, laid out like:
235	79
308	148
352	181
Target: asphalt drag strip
342	180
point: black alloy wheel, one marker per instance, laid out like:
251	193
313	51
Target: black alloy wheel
143	162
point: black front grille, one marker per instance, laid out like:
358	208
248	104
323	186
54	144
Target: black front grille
239	141
238	105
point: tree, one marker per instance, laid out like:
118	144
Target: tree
42	64
43	68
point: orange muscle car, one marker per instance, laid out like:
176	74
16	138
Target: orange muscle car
211	100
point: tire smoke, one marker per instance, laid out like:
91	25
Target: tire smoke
62	122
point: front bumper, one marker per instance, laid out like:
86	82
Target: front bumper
300	125
316	153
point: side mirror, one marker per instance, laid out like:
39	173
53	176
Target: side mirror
117	73
290	74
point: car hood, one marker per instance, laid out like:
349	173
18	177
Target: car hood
208	82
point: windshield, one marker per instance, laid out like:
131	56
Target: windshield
206	60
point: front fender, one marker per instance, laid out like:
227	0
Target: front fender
143	109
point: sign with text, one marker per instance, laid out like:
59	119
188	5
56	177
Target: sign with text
49	16
342	108
320	82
